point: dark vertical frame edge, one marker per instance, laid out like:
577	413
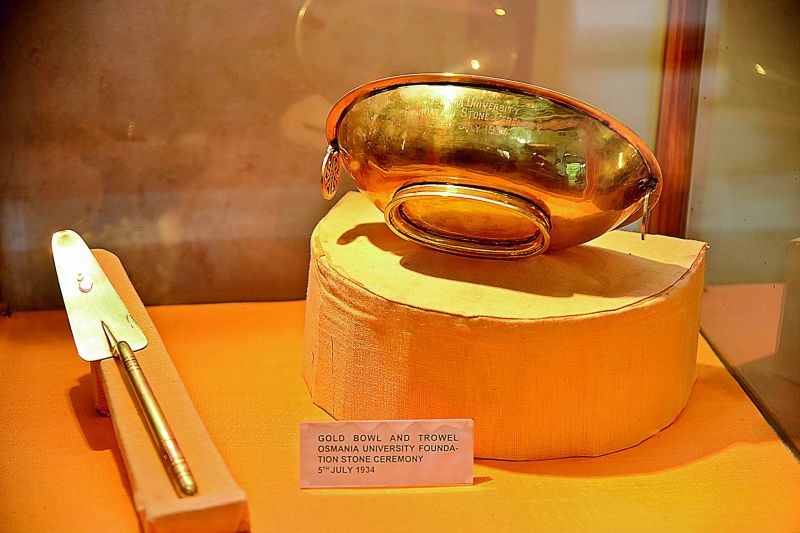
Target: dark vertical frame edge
677	114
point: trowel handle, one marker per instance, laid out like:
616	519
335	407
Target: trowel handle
171	454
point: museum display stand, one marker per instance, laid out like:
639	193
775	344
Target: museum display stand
220	504
578	352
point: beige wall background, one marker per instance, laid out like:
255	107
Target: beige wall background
745	198
186	136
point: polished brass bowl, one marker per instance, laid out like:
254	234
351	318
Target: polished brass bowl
488	167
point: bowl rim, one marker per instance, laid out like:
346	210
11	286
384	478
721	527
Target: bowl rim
362	92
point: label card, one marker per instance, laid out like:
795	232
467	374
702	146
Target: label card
386	453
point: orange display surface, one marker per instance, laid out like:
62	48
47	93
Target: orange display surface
717	467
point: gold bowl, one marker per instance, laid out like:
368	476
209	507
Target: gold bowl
488	167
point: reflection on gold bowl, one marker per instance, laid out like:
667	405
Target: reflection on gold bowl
488	167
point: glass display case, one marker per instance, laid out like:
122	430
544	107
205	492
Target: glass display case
184	141
194	133
745	200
